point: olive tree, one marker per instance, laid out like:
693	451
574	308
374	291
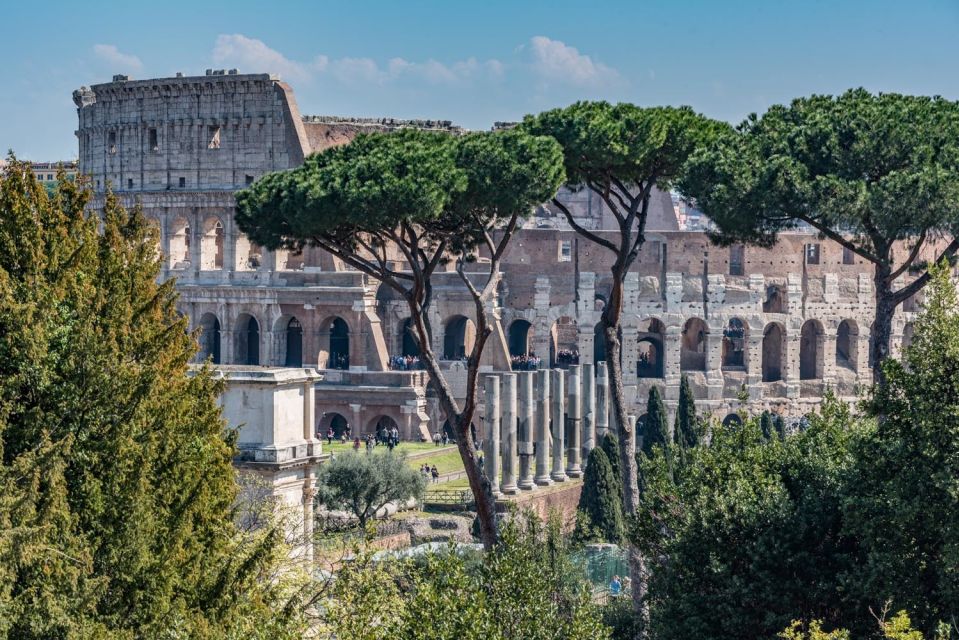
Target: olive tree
426	199
878	174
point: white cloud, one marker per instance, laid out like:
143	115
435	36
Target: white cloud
112	55
253	56
556	60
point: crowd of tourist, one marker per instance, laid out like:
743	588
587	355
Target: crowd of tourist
405	363
525	362
339	361
432	474
567	357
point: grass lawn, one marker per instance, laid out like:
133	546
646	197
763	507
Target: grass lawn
461	484
405	447
446	461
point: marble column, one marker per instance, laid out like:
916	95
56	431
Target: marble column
589	411
574	418
602	400
525	430
559	424
491	442
542	428
508	443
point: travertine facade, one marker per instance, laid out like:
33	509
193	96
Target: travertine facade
786	322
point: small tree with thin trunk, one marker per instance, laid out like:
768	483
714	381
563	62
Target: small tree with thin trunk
878	174
363	483
400	206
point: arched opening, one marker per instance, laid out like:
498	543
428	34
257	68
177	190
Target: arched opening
410	347
734	345
847	345
520	336
339	344
211	245
732	420
563	343
907	334
650	361
811	343
381	426
775	301
458	338
692	354
773	344
247	340
599	343
294	343
180	244
337	423
249	255
209	339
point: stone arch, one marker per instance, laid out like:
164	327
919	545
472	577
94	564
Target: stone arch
212	244
459	334
294	343
732	420
692	353
847	345
734	344
811	347
563	342
336	421
650	361
409	346
599	343
520	337
247	340
383	420
335	332
179	243
775	301
774	347
209	339
249	255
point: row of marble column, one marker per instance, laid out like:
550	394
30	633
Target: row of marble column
534	417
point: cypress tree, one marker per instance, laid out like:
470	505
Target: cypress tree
117	490
780	426
767	426
655	430
610	445
685	433
599	515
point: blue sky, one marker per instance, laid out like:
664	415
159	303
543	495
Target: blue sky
477	62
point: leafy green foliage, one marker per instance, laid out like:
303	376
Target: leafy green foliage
362	483
117	490
686	431
526	588
600	510
655	430
868	171
903	500
610	446
749	531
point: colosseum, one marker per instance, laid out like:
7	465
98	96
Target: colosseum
784	323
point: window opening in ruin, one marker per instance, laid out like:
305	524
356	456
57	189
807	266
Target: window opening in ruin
732	421
294	343
563	343
692	355
129	183
212	245
154	143
811	343
409	348
565	250
180	244
182	182
812	253
773	341
737	259
248	180
848	256
339	345
213	132
520	337
337	423
458	338
734	345
775	301
112	142
210	338
846	341
248	341
649	357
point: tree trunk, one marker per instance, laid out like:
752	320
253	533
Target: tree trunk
881	331
627	441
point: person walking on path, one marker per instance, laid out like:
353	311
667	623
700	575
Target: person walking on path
435	473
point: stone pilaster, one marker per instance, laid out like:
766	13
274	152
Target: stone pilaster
574	416
491	442
602	400
589	411
525	430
